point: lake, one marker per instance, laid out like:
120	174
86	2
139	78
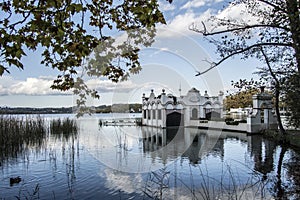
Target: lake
133	162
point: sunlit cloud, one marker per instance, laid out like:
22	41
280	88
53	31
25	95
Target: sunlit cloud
194	4
30	86
42	86
239	13
182	22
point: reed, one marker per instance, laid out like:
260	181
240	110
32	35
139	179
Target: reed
25	193
157	184
230	187
63	127
17	134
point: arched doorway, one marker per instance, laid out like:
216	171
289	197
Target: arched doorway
207	111
175	119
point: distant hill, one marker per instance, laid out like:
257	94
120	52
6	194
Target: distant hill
116	108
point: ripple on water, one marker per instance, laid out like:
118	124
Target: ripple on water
63	171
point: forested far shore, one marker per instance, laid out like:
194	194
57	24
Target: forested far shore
116	108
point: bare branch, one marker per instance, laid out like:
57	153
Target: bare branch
273	5
192	27
246	27
213	64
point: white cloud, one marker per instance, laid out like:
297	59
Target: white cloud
194	4
104	86
181	23
41	86
164	6
30	86
199	3
3	90
34	86
5	83
237	12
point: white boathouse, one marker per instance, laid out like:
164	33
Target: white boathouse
165	110
192	110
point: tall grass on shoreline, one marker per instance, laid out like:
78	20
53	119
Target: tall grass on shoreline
63	127
18	134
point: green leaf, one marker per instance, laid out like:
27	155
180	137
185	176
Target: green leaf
2	70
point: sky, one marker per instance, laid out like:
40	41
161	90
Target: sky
170	63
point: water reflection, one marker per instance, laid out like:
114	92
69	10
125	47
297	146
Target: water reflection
19	136
269	158
262	152
182	142
65	133
122	181
293	174
146	162
26	148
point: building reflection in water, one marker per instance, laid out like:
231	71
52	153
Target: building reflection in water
144	151
262	152
174	142
194	144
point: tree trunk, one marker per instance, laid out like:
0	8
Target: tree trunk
294	22
277	93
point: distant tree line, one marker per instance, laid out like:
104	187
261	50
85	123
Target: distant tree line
26	110
116	108
119	108
241	99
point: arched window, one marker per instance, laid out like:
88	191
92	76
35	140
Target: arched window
194	113
159	114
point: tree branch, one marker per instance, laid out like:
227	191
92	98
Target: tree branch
213	64
273	5
206	33
269	66
25	17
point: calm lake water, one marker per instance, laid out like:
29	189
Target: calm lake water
131	162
